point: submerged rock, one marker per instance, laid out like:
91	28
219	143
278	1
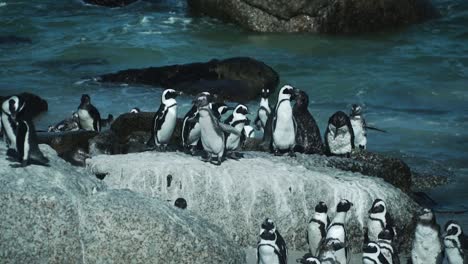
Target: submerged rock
110	3
13	40
35	105
340	16
238	79
60	214
239	195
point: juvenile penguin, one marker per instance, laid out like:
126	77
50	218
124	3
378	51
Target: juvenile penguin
164	121
385	242
308	137
427	246
238	119
308	259
317	228
337	230
283	123
372	254
212	131
88	115
339	136
455	243
263	111
68	124
378	220
271	248
10	109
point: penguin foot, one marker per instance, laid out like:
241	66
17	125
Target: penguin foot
216	162
235	155
22	164
292	154
206	157
276	152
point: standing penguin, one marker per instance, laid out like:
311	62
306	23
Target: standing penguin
339	136
28	151
372	254
283	123
264	110
329	249
378	220
10	108
88	115
337	230
164	120
427	246
385	241
271	247
317	228
359	127
238	119
191	130
455	243
308	259
308	137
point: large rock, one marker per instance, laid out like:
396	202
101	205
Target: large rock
238	195
35	105
336	16
234	79
60	214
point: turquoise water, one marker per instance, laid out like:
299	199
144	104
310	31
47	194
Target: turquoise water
413	82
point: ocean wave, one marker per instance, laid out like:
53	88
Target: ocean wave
2	4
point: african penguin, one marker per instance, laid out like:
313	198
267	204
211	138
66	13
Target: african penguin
68	124
329	249
165	119
378	220
427	245
372	254
212	131
135	110
337	230
308	137
10	109
249	132
317	228
339	136
271	247
220	109
27	148
89	117
386	243
238	120
455	243
191	128
308	259
359	126
283	122
263	111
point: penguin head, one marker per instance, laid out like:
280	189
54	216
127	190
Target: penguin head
268	224
356	110
308	259
302	99
169	95
386	234
338	123
75	116
286	93
13	106
343	206
427	216
371	248
240	111
265	93
268	235
221	108
321	207
378	207
201	100
135	110
85	100
452	228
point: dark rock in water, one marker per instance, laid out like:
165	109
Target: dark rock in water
35	105
340	16
11	40
110	3
237	79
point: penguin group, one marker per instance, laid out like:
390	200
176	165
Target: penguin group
328	241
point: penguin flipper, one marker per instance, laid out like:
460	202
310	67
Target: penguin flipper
229	129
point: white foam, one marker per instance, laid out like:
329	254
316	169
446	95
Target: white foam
2	4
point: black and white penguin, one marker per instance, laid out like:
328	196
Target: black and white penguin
135	110
337	230
10	109
27	148
271	247
249	132
165	119
88	115
191	129
308	137
427	245
317	228
378	220
220	109
372	254
283	123
69	124
329	249
386	244
308	259
455	243
238	119
359	126
339	136
264	110
211	131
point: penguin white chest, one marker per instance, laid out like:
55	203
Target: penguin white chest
454	255
10	133
360	137
341	144
212	140
86	121
263	116
267	255
284	135
315	237
194	135
426	245
232	141
167	127
374	228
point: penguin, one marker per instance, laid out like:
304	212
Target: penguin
263	111
10	109
271	247
308	259
135	110
317	228
27	148
329	249
249	132
339	136
455	243
385	241
68	124
238	120
337	230
164	121
372	254
211	131
427	245
308	136
378	220
283	123
359	126
220	109
191	130
89	117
